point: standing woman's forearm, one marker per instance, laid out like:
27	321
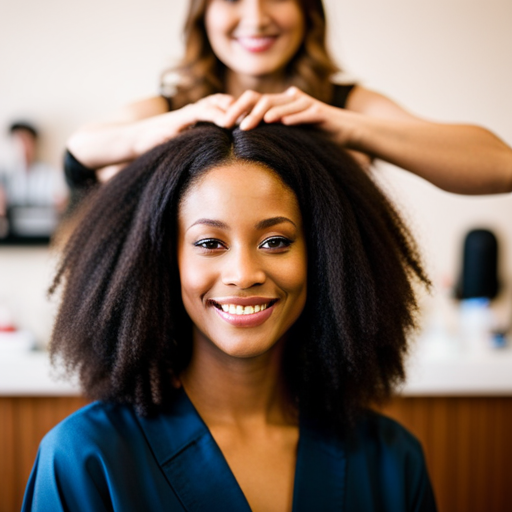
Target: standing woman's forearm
464	159
139	128
458	158
97	146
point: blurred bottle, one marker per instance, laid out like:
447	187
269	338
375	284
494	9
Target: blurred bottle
477	287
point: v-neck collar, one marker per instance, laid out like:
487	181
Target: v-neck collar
200	476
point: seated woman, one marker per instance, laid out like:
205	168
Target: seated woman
235	300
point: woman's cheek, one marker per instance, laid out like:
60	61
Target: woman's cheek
197	276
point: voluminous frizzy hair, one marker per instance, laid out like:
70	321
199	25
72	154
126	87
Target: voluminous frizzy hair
201	73
122	324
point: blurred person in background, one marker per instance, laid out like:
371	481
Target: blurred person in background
32	192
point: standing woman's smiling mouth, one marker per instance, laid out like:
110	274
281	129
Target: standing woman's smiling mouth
256	44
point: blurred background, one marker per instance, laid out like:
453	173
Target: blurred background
65	63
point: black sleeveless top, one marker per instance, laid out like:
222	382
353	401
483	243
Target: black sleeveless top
79	177
340	94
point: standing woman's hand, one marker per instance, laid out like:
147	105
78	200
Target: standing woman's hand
159	129
294	107
290	108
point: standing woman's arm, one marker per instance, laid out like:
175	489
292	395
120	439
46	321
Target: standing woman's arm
458	158
115	140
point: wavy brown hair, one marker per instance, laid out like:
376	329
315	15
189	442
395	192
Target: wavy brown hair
122	324
201	73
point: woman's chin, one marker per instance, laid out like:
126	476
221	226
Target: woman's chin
244	350
244	347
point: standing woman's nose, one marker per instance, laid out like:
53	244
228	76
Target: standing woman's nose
243	268
254	13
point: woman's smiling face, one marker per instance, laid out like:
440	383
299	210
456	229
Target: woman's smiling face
242	258
255	37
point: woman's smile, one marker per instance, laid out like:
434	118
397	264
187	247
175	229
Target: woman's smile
242	258
248	312
256	44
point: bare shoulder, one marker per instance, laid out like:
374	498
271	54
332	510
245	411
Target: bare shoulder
141	109
374	104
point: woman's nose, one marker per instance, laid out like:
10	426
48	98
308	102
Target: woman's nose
255	13
243	270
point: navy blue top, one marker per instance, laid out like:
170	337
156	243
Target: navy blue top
107	458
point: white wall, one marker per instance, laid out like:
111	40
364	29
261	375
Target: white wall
65	62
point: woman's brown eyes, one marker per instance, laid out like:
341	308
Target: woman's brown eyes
276	242
273	243
210	244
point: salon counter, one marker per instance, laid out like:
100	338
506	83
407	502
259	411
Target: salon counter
486	374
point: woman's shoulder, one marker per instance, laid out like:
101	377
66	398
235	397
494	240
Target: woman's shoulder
385	458
98	459
141	109
99	425
103	428
385	435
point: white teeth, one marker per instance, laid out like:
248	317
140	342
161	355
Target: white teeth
237	309
256	43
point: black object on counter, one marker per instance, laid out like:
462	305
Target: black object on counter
479	274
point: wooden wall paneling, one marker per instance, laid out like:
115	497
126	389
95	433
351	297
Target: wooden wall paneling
502	460
481	466
468	448
440	439
500	453
7	456
462	473
32	417
28	421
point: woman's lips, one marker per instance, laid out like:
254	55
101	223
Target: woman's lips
256	44
248	319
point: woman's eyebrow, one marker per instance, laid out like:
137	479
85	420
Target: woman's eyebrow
263	224
210	222
268	223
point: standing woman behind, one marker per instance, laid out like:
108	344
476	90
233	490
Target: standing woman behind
266	60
